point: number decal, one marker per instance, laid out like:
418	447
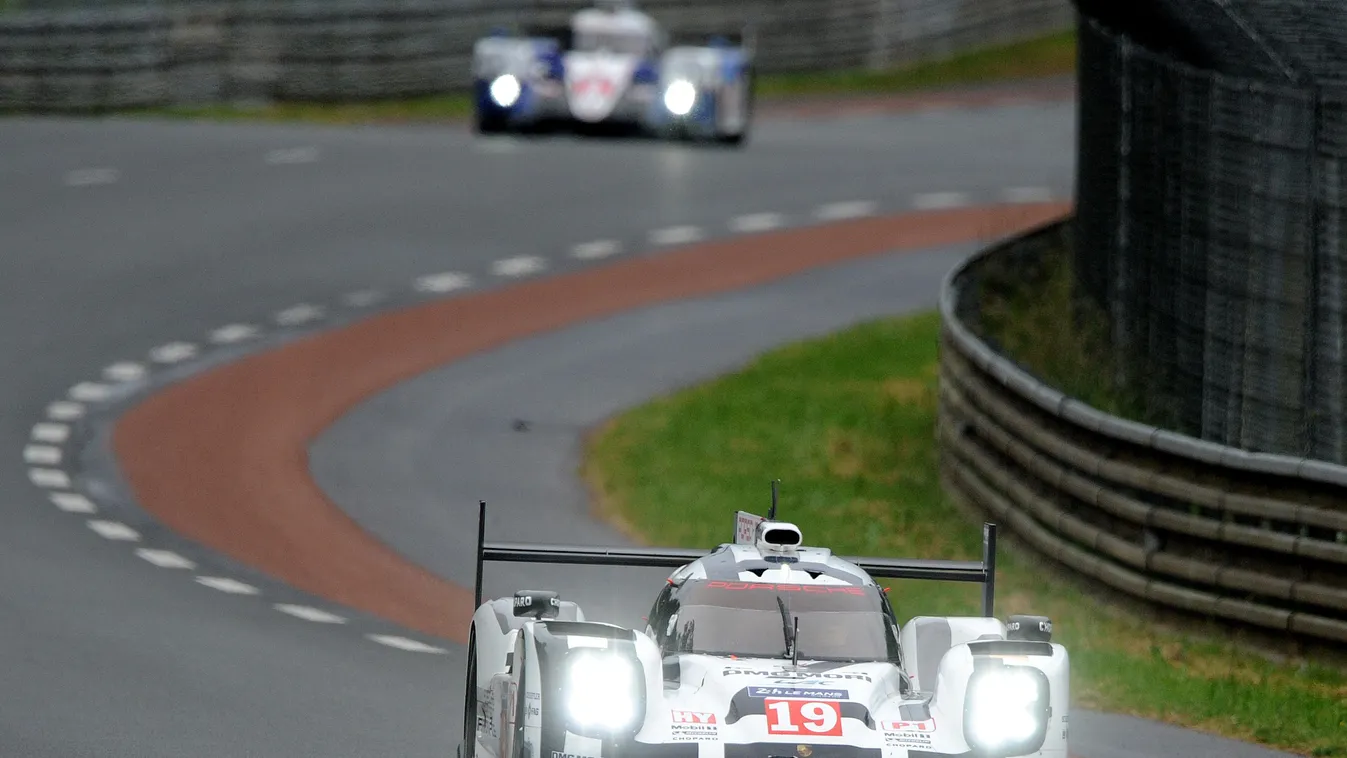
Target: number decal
821	718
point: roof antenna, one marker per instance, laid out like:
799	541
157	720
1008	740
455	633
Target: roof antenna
771	514
795	644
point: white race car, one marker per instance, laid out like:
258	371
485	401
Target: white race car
762	648
614	64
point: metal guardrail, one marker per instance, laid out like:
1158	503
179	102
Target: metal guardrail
1199	527
109	56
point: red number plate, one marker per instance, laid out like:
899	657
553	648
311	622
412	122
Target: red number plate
819	718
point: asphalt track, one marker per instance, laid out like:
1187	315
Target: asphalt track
123	236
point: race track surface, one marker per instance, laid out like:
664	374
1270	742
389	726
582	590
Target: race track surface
131	248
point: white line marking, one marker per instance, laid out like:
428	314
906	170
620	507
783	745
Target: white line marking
757	222
173	352
89	177
1027	195
402	643
587	251
676	235
90	392
232	333
64	410
126	371
309	614
939	200
42	455
362	298
52	478
307	154
49	432
165	559
72	502
225	584
845	210
115	530
520	266
299	314
444	282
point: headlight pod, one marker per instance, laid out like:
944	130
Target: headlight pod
603	692
1006	710
680	96
505	90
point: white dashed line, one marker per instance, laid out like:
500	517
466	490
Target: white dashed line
165	559
173	352
51	478
42	455
72	502
845	210
49	432
587	251
307	154
227	335
402	643
89	177
757	222
676	235
125	371
309	614
362	298
64	410
445	282
1027	195
91	392
115	530
299	314
225	584
930	201
520	266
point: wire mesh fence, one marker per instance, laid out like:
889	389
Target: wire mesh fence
1210	222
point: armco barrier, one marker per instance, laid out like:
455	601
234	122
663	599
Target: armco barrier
194	53
1199	527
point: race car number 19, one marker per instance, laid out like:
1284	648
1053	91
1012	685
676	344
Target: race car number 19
804	717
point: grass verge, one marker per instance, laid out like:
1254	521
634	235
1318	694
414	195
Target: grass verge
1049	55
848	422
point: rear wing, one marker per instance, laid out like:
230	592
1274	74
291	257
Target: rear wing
982	572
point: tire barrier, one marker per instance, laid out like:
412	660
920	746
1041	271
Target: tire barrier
1241	537
179	53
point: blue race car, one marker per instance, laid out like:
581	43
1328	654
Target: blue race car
615	65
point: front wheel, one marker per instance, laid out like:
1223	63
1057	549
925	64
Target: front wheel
469	747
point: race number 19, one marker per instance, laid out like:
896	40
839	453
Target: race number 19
822	718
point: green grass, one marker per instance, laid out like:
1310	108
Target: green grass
1050	55
847	422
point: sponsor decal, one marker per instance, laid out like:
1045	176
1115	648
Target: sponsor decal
744	525
798	677
818	589
559	754
909	734
693	726
798	692
524	601
816	718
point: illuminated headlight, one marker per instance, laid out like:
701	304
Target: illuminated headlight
679	97
1006	710
505	90
602	691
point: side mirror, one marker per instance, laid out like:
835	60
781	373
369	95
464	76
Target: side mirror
539	604
1032	628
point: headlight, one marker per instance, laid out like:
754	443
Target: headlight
505	90
1006	710
602	691
679	97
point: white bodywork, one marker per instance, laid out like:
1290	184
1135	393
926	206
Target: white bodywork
706	702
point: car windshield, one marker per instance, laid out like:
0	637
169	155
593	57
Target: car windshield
625	43
837	622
